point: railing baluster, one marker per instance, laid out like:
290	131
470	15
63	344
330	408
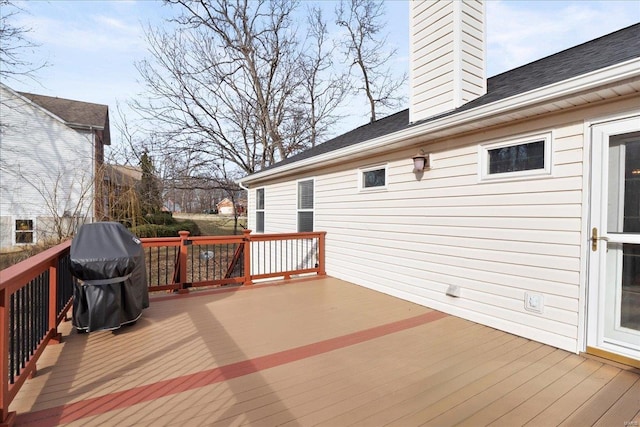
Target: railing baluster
13	342
23	319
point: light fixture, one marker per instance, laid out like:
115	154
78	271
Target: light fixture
421	161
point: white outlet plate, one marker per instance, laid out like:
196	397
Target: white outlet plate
533	302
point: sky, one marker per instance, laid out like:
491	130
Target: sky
92	46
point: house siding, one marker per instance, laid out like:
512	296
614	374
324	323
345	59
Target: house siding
46	166
447	56
496	240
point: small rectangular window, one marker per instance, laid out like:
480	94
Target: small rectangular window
517	158
373	178
522	157
305	205
24	232
260	210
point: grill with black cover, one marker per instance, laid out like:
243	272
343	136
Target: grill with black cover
111	290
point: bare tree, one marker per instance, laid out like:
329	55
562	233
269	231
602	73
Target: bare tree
224	83
324	91
14	42
367	50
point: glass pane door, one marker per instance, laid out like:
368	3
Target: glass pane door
622	295
614	270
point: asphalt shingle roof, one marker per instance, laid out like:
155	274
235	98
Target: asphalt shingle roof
72	112
593	55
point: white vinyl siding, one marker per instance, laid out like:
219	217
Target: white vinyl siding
447	48
280	202
496	240
51	168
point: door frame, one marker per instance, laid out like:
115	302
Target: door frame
593	322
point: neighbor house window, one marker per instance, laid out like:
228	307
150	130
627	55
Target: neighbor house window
24	232
260	210
373	178
305	205
522	157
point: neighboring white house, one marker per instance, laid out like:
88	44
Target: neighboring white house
50	150
527	218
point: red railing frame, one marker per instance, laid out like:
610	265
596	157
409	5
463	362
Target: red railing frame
11	280
180	281
19	275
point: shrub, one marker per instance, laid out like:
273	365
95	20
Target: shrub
160	218
170	230
152	230
186	225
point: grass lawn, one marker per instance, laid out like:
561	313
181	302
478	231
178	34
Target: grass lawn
214	225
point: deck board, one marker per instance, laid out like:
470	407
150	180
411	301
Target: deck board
591	410
510	401
319	352
625	409
558	411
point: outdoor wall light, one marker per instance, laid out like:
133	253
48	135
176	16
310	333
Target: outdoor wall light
421	161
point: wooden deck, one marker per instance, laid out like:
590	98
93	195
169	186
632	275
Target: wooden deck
317	352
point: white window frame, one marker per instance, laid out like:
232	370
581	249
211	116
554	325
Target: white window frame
298	209
362	171
483	155
261	210
16	231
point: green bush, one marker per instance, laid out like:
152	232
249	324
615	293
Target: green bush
187	225
160	218
171	230
152	230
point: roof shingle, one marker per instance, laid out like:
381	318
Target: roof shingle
72	112
593	55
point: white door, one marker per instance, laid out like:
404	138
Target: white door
614	263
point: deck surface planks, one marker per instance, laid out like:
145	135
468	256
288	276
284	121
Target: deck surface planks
318	352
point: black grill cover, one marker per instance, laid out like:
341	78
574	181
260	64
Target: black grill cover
112	288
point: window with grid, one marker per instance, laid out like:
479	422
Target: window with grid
24	232
260	210
305	205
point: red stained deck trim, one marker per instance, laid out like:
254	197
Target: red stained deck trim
102	404
236	288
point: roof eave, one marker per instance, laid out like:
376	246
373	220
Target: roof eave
81	126
451	124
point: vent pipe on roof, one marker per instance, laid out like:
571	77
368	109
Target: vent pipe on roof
447	51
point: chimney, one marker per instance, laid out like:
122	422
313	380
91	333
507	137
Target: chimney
447	45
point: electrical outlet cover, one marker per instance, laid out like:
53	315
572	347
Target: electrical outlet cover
533	302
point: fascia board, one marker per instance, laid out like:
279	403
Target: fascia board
83	127
546	94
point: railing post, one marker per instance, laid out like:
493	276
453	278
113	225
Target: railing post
6	417
184	237
246	239
56	337
321	254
